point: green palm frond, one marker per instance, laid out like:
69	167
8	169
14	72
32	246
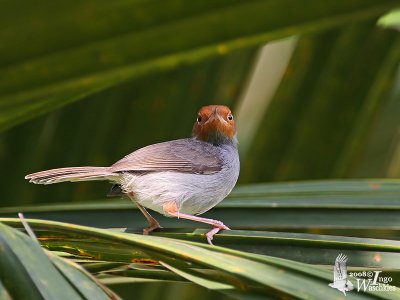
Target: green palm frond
245	264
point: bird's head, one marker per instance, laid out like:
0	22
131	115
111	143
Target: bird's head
215	124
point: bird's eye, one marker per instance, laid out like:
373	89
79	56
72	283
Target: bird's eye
230	117
198	119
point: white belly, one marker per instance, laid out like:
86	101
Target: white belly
193	193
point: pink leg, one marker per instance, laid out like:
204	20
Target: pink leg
153	222
171	209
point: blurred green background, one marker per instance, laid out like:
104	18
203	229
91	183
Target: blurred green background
314	86
315	90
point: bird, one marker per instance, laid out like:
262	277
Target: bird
340	280
181	178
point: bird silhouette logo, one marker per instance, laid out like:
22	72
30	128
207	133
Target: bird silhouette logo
340	280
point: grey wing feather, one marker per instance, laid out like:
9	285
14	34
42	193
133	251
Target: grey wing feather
184	155
340	270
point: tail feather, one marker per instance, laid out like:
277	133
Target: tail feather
71	174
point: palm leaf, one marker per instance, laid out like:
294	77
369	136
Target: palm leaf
35	275
98	54
244	271
245	264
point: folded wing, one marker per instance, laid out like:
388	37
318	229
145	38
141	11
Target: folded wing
184	155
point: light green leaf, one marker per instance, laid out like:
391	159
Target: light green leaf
392	19
33	275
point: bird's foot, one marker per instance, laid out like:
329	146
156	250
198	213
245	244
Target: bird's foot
152	227
218	227
219	224
170	208
211	233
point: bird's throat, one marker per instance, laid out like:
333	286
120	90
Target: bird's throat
219	138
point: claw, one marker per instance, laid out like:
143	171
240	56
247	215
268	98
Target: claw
221	225
214	231
225	227
211	233
152	227
171	209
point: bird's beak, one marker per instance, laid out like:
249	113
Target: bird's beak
215	119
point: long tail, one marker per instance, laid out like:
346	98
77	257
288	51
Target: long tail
71	174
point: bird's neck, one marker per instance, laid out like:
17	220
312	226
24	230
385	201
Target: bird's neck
217	139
